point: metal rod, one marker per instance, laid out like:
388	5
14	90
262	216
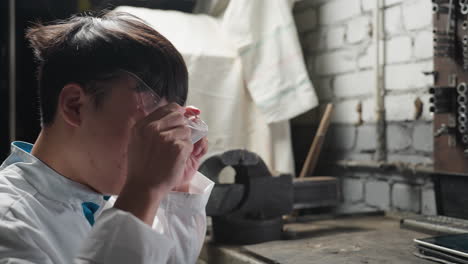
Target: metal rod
386	166
379	90
12	70
401	167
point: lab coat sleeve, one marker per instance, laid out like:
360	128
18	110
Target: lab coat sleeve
182	217
119	237
21	243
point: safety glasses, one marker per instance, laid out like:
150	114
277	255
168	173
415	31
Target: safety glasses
148	101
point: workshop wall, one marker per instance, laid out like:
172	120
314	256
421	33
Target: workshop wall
337	39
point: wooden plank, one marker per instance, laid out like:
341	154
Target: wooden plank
316	147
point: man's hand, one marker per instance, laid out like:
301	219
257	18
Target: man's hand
192	165
159	155
199	150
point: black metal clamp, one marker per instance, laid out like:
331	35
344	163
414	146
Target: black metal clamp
249	210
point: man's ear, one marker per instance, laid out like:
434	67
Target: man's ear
70	104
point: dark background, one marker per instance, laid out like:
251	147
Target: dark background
3	78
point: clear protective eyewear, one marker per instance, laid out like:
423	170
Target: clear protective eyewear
149	101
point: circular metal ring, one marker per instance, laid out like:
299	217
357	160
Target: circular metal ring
462	109
462	88
464	9
462	119
465	139
461	99
462	129
435	8
463	2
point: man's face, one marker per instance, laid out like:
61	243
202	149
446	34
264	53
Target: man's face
105	135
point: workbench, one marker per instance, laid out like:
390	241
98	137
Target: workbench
356	239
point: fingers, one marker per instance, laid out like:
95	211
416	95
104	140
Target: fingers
204	149
179	133
191	111
165	118
183	149
164	111
170	121
200	148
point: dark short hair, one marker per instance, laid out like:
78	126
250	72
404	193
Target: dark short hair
86	49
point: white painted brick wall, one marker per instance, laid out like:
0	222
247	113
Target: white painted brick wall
422	47
343	51
417	14
335	11
377	193
335	62
359	29
352	190
406	197
354	84
408	76
367	5
398	137
345	112
400	107
368	110
335	37
428	201
366	137
340	53
367	59
423	137
391	2
409	158
393	20
398	49
343	137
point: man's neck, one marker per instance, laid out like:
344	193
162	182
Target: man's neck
49	148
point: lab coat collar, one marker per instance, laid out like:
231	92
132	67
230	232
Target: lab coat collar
47	181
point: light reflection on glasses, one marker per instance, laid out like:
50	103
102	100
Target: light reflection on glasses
148	99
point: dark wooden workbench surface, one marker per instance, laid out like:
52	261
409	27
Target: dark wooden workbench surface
365	239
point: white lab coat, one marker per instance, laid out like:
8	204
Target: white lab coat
42	220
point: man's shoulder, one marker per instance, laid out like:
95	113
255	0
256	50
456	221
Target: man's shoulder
15	191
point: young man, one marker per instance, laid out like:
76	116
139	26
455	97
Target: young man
96	141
